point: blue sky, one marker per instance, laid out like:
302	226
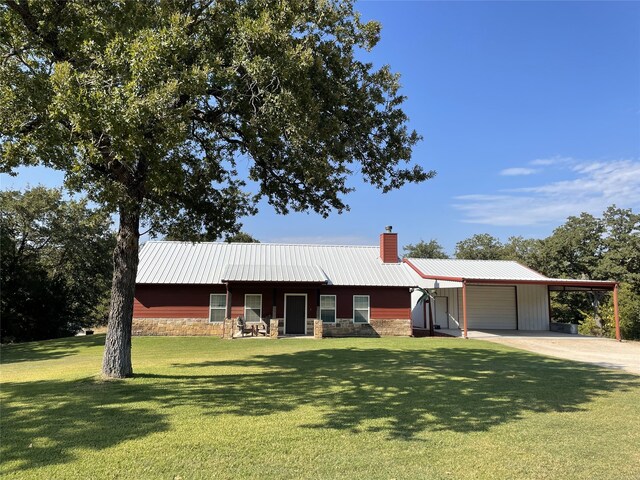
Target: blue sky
530	112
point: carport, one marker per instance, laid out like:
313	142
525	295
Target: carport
496	294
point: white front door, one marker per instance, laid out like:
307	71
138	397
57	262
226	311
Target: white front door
441	312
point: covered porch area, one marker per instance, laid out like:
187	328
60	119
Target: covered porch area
492	296
290	308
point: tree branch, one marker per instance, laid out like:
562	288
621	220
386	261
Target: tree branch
49	39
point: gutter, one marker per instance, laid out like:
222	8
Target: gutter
542	281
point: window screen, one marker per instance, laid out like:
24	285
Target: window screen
328	308
253	308
217	307
361	308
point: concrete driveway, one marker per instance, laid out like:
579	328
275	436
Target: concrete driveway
604	352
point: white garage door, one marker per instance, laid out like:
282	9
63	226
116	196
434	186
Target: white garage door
490	307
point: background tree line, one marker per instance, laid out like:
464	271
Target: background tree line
584	247
57	264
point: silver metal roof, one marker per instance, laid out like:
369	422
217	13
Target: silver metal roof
500	271
209	263
273	273
475	269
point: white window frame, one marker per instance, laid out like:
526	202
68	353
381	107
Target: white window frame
335	308
212	308
368	309
245	306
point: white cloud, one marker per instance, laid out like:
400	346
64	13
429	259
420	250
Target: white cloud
513	172
556	160
595	186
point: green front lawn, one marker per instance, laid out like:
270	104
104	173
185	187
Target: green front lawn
343	408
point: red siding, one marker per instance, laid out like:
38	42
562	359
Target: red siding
237	300
192	301
384	302
173	301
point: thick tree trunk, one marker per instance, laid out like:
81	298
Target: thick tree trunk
116	362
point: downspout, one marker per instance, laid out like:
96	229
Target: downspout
274	303
464	307
227	310
615	312
431	332
424	314
549	305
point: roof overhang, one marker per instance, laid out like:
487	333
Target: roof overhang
273	274
551	282
273	283
554	284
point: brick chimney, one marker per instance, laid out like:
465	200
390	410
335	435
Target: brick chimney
389	246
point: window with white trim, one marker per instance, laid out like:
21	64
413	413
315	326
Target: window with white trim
217	307
361	309
252	308
328	308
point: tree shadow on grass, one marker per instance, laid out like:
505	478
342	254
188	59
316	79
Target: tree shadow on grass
409	392
43	422
48	349
400	393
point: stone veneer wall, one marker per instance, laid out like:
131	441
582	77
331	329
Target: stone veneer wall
176	327
344	327
317	329
310	323
274	328
281	326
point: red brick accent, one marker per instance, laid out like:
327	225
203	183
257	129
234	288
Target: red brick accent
389	247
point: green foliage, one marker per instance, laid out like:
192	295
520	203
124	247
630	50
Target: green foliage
575	249
426	294
599	321
629	311
149	106
526	251
588	326
629	304
56	264
480	247
162	110
567	307
422	249
605	248
241	237
621	247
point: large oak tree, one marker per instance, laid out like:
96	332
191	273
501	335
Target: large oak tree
148	106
